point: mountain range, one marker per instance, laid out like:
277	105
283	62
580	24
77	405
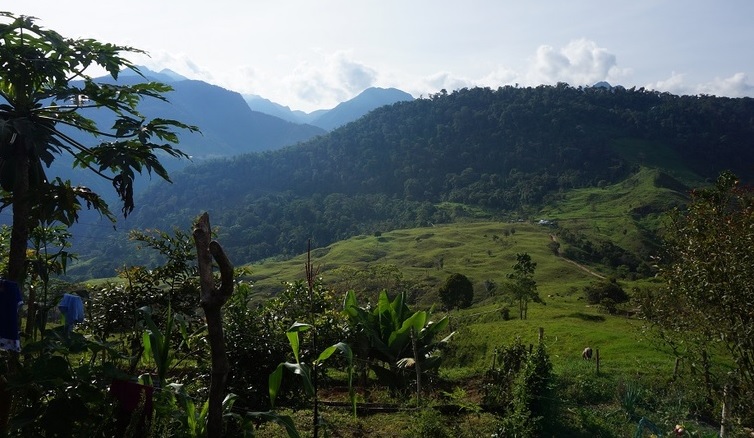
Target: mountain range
231	128
229	124
511	153
343	113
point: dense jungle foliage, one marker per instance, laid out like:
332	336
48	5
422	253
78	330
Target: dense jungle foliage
508	151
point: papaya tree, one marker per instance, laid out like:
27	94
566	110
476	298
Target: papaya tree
46	98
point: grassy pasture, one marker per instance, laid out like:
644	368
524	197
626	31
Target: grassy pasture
632	365
482	251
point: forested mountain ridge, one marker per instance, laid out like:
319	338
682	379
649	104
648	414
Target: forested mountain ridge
510	150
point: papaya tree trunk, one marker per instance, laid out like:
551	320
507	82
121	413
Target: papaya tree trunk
212	300
19	237
16	270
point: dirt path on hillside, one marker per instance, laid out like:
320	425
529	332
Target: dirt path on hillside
554	238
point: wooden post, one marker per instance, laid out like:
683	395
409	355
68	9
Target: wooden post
212	300
417	367
541	334
597	359
724	414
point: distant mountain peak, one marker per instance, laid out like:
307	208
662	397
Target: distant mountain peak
165	75
170	73
368	100
345	112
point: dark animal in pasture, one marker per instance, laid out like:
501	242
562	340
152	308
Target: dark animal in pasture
587	353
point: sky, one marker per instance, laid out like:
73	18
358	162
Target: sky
314	54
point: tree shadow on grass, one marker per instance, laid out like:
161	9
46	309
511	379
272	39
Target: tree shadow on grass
585	317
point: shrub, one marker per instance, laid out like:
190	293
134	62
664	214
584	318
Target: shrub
529	396
595	293
457	292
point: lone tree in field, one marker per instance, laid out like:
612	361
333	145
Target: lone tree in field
522	287
457	292
45	96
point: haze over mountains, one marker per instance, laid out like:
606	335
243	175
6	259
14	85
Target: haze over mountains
343	113
230	123
233	123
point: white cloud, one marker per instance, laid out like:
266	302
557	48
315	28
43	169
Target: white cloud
501	76
320	83
580	62
354	76
179	63
325	84
324	80
734	86
675	84
446	80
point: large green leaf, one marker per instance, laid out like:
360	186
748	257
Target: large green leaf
282	420
274	382
345	349
432	329
400	338
340	346
398	309
293	338
351	305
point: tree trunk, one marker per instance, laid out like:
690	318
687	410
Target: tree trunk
212	300
19	238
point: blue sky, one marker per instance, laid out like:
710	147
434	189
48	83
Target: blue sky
312	54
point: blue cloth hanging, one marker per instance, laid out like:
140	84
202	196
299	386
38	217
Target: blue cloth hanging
10	302
72	308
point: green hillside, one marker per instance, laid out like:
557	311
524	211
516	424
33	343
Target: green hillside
484	249
419	259
510	152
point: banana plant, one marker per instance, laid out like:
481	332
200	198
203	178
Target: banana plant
386	333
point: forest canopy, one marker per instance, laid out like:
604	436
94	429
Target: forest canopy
507	151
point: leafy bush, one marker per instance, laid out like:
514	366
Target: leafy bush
507	363
256	337
54	391
596	293
529	377
457	292
430	423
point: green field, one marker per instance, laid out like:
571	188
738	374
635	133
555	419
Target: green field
635	376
